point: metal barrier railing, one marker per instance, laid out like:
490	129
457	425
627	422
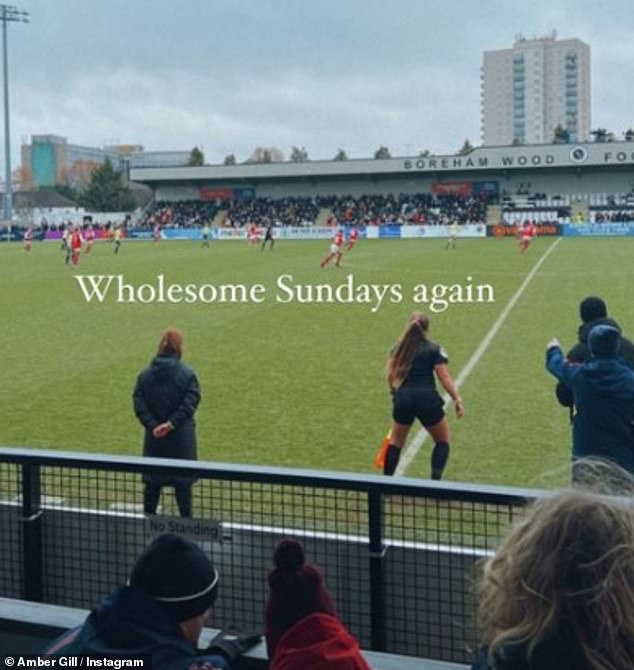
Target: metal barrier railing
397	554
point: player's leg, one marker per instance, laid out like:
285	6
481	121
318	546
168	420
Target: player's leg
398	437
402	417
326	260
439	432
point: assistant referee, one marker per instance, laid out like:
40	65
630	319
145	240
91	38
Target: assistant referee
414	363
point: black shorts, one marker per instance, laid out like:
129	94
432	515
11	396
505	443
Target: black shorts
417	402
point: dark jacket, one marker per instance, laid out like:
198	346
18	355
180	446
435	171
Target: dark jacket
130	622
559	652
603	389
580	353
167	390
318	642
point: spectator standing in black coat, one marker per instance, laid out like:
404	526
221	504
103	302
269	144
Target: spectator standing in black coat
165	398
593	312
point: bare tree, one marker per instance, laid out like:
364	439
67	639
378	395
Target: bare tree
299	155
560	135
266	155
466	148
196	158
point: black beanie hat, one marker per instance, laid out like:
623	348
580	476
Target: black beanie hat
604	341
592	308
297	590
178	575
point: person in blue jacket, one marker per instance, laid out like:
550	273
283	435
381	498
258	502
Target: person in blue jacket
603	389
159	614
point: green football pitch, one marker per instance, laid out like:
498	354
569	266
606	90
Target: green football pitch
287	377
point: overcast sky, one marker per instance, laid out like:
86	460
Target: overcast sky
323	74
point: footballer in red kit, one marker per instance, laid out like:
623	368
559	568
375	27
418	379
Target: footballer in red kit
528	232
335	250
76	242
89	238
253	234
352	238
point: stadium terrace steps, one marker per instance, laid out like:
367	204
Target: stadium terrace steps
494	214
219	219
322	217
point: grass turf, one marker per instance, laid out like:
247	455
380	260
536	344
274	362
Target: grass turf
302	384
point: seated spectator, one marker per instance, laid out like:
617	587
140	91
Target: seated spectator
302	629
159	613
558	594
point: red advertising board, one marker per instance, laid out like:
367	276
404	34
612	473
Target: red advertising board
209	193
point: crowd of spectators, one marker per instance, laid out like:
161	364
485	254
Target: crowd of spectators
181	214
288	211
409	208
609	216
415	208
378	209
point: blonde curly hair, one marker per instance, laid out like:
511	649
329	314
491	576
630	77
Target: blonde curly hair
568	565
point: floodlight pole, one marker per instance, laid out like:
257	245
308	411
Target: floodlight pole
8	13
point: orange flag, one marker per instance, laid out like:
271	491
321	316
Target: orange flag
379	459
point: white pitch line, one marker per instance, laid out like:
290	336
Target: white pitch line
414	445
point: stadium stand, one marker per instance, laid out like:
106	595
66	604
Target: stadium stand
567	208
418	208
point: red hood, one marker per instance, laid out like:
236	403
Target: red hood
318	642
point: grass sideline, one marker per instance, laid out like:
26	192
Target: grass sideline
295	384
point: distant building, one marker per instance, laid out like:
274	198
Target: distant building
160	159
50	160
529	90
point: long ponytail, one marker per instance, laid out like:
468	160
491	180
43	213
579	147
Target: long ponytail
406	349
